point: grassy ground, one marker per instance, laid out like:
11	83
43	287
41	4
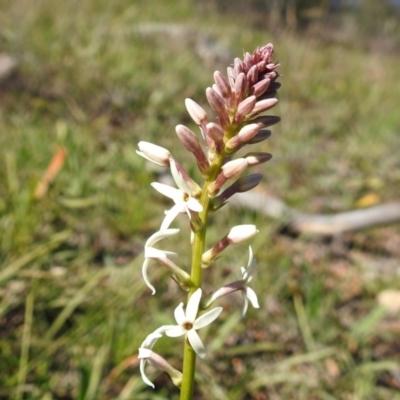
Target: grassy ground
93	80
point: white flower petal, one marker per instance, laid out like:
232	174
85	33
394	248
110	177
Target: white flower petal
180	182
250	257
196	343
194	205
145	277
151	252
150	340
171	214
143	355
245	304
159	235
207	318
180	315
175	331
251	295
167	191
193	306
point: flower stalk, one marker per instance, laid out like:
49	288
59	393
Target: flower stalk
239	100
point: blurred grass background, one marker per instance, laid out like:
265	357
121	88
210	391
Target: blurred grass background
94	78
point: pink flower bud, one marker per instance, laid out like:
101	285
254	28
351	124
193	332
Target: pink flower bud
154	153
223	85
197	113
218	104
260	87
262	106
244	136
236	235
192	144
240	87
234	168
238	67
245	107
215	132
252	75
231	76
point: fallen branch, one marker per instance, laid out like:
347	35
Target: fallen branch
325	224
294	221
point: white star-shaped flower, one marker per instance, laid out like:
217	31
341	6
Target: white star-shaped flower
150	252
188	324
247	276
145	352
182	197
147	355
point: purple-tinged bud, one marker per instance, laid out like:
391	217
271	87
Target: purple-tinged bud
252	75
223	85
192	144
240	87
197	113
263	105
231	76
265	53
257	158
260	87
230	170
234	168
238	67
218	104
261	66
272	66
215	132
247	60
241	233
265	121
261	135
236	235
243	137
156	154
245	108
216	88
243	184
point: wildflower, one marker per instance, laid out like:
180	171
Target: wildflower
182	197
242	285
159	362
146	354
150	252
188	324
247	276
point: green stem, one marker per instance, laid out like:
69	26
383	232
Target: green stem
199	241
189	356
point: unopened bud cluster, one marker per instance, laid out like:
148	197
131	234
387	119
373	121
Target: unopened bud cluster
240	100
